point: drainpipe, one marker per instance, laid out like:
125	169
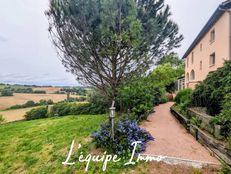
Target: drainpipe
229	12
229	35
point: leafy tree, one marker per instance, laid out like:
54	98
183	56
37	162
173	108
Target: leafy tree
6	92
171	58
166	75
106	42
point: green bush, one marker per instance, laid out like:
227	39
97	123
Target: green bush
98	101
46	102
61	109
163	99
139	97
224	118
31	103
211	92
39	92
196	121
37	113
6	92
23	90
66	108
183	96
225	169
77	99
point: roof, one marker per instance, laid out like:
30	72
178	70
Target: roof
213	19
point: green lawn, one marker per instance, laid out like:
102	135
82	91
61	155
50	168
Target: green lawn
40	146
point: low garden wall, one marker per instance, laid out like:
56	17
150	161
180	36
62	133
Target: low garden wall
182	119
217	147
203	117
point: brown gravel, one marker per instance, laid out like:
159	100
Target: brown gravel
172	139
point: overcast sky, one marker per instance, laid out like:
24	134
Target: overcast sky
28	57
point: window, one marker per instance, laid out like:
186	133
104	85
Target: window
187	60
200	47
212	35
192	58
200	65
192	75
212	59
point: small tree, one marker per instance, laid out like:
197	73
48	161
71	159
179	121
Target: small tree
106	42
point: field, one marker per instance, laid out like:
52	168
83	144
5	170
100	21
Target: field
14	115
40	146
20	98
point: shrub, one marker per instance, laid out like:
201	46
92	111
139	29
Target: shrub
14	107
163	99
99	102
126	132
183	95
225	169
78	99
66	108
211	92
6	92
61	109
140	96
39	92
2	120
23	90
37	113
196	121
224	118
31	103
46	102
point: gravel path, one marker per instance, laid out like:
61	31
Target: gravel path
172	139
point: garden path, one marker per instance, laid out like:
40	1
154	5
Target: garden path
172	139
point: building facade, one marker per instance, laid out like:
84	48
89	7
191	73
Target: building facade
210	48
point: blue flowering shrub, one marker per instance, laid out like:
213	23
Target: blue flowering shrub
126	132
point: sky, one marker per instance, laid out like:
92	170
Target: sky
27	55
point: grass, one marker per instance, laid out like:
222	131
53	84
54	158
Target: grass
40	146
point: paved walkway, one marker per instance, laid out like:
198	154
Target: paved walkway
172	139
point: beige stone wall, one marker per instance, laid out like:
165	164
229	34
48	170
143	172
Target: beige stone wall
203	50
